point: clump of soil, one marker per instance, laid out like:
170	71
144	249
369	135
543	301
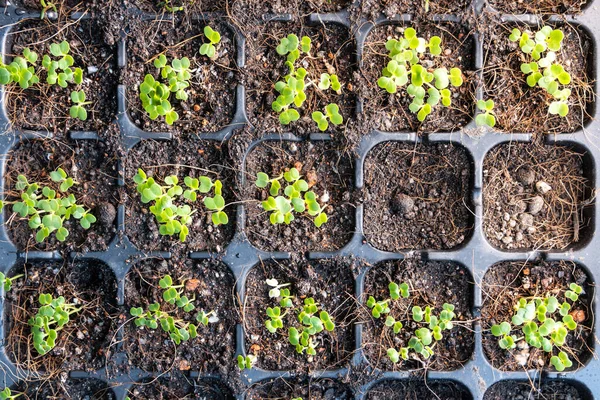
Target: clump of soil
390	112
430	284
331	285
523	390
82	342
211	101
539	6
90	163
534	197
46	107
181	158
372	9
518	107
329	173
213	286
417	390
332	52
69	388
505	283
417	196
321	389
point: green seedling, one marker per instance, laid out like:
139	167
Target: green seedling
179	330
59	69
296	198
209	49
78	108
7	394
278	291
426	88
332	112
177	75
170	7
48	210
245	362
155	100
51	317
544	323
7	282
329	81
21	70
542	69
46	5
486	117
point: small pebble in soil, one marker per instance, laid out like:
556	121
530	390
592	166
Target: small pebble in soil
106	214
402	204
542	187
525	175
526	220
535	205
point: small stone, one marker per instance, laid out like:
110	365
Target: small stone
506	216
106	214
520	207
324	197
519	237
525	175
80	335
542	187
526	220
578	315
402	204
535	205
92	69
293	148
507	239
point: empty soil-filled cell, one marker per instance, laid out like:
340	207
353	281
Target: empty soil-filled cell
89	290
330	284
390	111
314	389
332	52
71	388
536	197
328	171
91	164
46	107
418	389
520	108
210	288
417	196
374	8
256	9
182	158
179	6
430	284
503	287
210	104
539	6
180	387
548	389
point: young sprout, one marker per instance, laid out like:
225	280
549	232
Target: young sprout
59	69
168	6
6	282
245	362
332	112
155	100
329	81
486	117
78	108
7	394
209	49
51	317
21	70
177	75
47	5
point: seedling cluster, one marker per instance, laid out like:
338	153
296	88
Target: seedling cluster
542	69
178	329
311	321
486	117
7	282
282	208
544	323
58	65
47	211
51	317
292	89
174	219
422	342
427	88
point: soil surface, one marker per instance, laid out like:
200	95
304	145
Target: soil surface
182	158
431	284
213	286
46	107
331	284
332	52
373	9
322	389
507	282
389	112
81	344
329	172
180	387
92	164
524	391
417	196
69	388
539	6
211	103
518	211
521	109
418	390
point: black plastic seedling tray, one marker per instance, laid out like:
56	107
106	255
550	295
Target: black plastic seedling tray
477	255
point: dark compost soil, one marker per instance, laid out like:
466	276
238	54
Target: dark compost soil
374	8
213	287
431	283
81	344
417	196
92	164
328	171
389	112
539	6
418	390
163	388
507	282
45	107
523	390
517	215
211	101
321	389
182	158
332	52
330	283
518	107
71	388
